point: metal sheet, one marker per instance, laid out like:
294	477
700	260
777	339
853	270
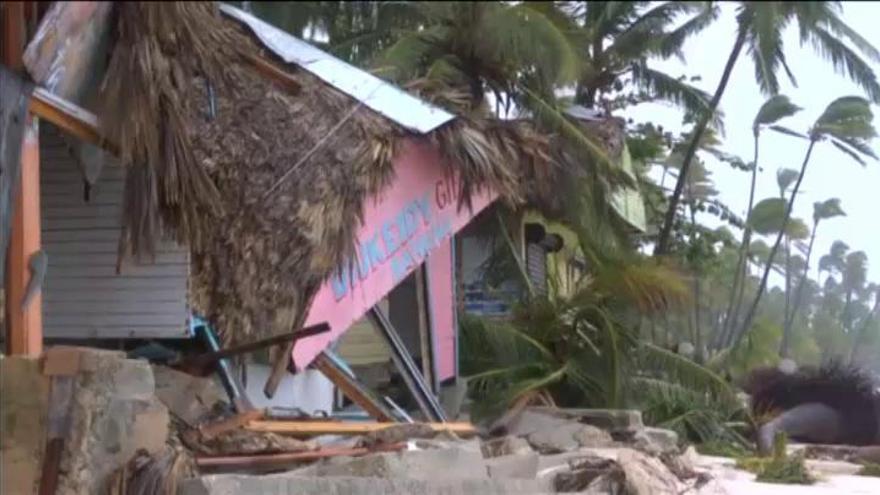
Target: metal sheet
385	98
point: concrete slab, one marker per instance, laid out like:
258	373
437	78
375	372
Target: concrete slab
285	484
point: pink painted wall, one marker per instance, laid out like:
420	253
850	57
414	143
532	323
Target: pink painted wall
414	216
441	303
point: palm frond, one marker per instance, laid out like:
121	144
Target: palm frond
765	32
776	108
788	132
672	42
522	37
767	216
406	57
681	370
665	87
846	61
830	208
785	177
555	120
836	26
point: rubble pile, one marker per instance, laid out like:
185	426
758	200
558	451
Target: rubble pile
128	424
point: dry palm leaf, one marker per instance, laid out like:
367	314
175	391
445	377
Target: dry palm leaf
159	49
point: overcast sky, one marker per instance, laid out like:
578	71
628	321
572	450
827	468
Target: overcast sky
830	173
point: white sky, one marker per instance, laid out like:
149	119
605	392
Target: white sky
830	173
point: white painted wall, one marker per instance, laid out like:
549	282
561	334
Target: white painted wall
309	390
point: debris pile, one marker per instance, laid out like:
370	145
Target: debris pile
121	426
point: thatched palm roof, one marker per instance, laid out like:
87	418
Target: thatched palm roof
208	170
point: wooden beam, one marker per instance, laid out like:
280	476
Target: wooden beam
211	430
70	118
313	428
351	388
24	323
273	460
199	363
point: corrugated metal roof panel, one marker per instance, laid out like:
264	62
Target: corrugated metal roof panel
385	98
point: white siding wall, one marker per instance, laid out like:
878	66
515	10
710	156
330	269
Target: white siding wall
83	297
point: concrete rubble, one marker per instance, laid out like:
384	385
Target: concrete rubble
123	409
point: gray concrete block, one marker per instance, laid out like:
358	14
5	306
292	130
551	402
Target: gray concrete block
420	464
508	445
523	466
285	484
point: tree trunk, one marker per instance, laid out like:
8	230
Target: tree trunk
666	230
784	343
798	295
750	316
742	261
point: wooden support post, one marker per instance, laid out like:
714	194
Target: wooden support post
351	388
24	323
426	341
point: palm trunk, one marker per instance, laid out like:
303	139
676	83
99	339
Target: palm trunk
750	316
787	279
666	230
742	261
783	344
697	339
798	295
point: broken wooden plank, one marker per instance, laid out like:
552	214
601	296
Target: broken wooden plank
211	430
267	460
352	389
60	398
310	428
69	117
202	361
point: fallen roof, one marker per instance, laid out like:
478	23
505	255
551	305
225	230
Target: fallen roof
389	100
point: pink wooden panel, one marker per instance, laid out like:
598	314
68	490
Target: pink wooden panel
414	216
441	301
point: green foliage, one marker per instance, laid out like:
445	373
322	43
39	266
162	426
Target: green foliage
780	468
768	216
869	469
773	110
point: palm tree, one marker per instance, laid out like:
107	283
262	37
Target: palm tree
772	111
485	47
847	123
855	274
616	39
822	210
759	30
873	289
785	177
834	261
768	218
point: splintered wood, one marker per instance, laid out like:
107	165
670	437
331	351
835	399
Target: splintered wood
314	428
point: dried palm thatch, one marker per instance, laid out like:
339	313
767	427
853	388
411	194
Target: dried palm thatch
267	187
158	50
157	474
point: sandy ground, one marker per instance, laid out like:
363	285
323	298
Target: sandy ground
834	478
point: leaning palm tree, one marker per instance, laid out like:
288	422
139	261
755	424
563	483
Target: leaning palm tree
873	289
822	210
768	219
771	112
484	48
759	31
847	123
616	39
